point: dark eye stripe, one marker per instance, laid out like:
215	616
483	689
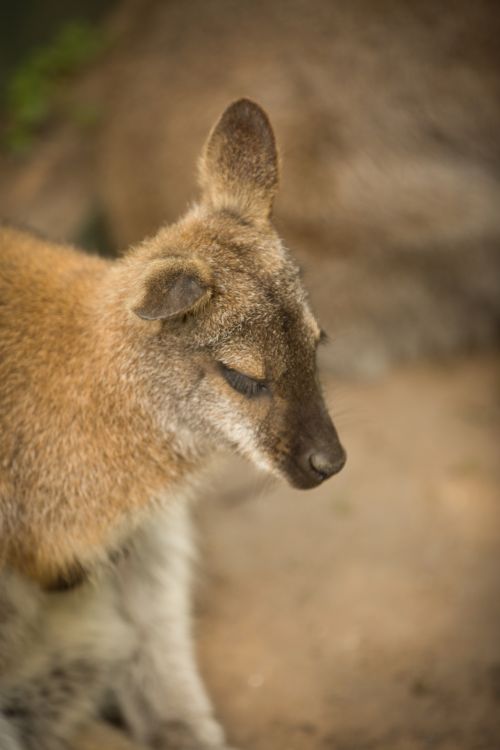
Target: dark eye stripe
243	383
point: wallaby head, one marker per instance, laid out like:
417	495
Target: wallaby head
220	319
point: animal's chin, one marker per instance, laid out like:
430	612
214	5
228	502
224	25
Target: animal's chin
289	471
299	479
302	481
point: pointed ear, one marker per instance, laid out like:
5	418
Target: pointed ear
172	287
239	165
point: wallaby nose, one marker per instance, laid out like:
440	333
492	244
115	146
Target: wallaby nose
325	464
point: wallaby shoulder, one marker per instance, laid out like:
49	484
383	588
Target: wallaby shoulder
79	451
43	268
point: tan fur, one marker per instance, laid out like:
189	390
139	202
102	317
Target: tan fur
75	426
116	380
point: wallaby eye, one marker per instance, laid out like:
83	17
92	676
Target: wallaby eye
244	384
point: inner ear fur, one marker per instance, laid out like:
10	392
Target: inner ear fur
239	165
172	287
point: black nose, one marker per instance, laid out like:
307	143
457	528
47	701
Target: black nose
325	464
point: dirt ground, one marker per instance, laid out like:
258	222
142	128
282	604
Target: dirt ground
365	615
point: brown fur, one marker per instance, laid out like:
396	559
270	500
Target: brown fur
116	379
110	372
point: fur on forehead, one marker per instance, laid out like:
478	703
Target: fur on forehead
278	337
252	276
224	239
255	311
222	242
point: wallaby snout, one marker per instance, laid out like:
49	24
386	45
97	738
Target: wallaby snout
326	458
328	461
317	453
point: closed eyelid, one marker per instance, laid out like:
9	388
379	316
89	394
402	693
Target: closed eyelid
246	366
246	372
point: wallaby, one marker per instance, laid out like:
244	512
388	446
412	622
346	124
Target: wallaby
117	378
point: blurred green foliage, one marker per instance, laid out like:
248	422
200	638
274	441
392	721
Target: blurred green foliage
32	92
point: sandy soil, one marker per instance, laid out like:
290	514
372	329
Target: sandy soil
365	614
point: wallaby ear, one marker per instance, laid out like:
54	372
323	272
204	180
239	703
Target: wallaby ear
171	287
239	165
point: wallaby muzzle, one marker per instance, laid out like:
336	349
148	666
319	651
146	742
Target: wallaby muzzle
316	452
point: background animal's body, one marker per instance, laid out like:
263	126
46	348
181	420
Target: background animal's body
387	115
116	379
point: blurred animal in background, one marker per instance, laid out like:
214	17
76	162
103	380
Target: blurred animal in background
387	114
117	379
